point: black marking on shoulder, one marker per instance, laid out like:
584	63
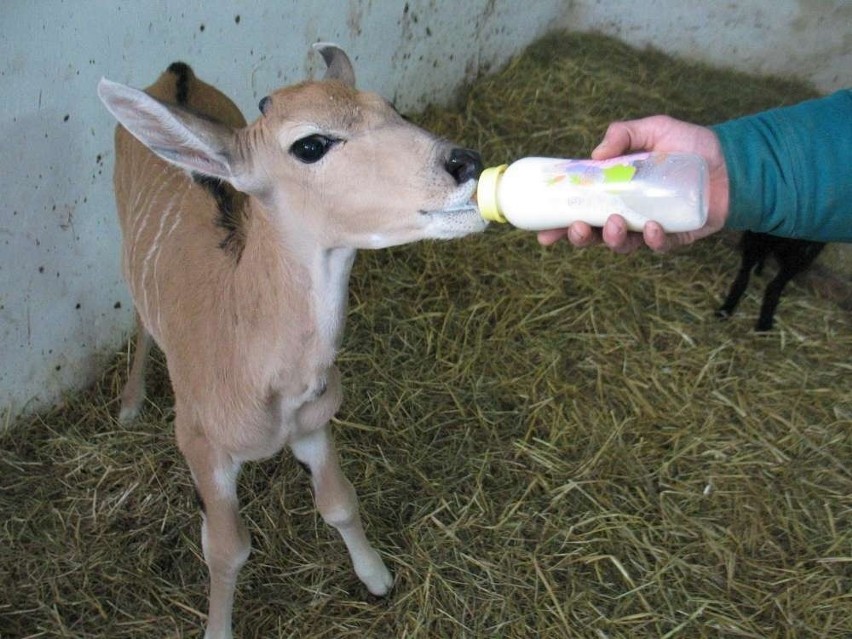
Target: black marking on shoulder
184	74
231	206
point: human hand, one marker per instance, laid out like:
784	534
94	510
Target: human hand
656	133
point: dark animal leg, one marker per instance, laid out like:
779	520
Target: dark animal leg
771	298
737	289
795	256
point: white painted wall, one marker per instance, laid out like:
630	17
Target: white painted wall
807	39
63	306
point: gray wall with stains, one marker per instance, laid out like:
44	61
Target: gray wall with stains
808	39
63	306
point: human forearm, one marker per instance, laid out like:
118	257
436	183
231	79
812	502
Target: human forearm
790	169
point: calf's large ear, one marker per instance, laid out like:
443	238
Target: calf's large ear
178	136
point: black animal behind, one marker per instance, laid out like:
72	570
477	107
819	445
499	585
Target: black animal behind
793	257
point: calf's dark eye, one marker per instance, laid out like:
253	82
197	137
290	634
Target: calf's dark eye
310	149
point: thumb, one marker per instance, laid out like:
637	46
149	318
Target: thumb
621	137
616	141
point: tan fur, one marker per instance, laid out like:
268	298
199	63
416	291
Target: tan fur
250	330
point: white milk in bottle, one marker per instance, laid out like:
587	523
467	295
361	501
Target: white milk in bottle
547	193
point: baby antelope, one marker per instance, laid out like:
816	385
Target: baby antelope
238	241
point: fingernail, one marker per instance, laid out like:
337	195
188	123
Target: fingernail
657	239
577	238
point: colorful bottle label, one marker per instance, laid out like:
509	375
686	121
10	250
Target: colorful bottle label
586	172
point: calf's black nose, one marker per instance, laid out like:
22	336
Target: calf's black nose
464	165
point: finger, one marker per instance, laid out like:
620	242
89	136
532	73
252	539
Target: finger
579	234
582	235
655	237
614	232
616	141
631	135
551	236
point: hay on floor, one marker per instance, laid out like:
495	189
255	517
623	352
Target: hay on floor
546	443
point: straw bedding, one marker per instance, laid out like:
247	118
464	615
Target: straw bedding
546	442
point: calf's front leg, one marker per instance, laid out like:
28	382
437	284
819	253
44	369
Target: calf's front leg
337	502
224	538
334	495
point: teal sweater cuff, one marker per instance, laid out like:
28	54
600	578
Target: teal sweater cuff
790	169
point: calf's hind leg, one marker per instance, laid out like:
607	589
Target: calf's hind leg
134	388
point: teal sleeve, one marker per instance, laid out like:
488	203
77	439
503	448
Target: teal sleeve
790	169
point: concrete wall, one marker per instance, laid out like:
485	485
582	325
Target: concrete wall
808	39
63	306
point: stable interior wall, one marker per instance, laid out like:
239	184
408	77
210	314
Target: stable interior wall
807	39
64	309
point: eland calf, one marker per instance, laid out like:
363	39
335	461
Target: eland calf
238	241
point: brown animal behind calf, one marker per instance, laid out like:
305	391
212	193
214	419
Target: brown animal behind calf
238	242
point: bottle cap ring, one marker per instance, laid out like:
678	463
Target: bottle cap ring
486	193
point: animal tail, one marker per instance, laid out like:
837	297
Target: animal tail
184	78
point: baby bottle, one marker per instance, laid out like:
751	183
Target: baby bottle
547	193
